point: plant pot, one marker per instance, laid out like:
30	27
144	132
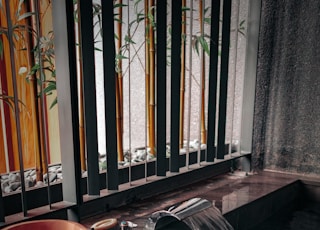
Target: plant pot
52	224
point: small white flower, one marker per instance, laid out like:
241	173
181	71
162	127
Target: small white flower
23	70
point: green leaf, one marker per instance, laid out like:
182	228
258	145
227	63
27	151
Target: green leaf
97	49
120	57
204	44
34	69
207	20
119	5
206	10
129	40
55	101
50	87
140	17
195	43
185	8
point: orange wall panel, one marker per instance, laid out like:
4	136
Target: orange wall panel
25	95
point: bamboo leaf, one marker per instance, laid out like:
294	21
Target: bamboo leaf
207	20
204	44
119	5
34	69
97	49
50	87
206	10
140	17
25	15
9	100
55	101
195	44
184	8
129	40
120	57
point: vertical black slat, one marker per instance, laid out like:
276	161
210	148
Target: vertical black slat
67	92
224	78
175	83
2	214
74	97
110	94
161	55
89	89
213	67
16	106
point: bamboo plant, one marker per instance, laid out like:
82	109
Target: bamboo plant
203	76
183	72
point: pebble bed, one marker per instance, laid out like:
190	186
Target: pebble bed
11	182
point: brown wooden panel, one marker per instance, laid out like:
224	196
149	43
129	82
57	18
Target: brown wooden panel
25	95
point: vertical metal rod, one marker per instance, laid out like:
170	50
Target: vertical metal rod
89	90
129	86
2	211
213	77
16	107
202	61
234	72
110	93
146	4
190	85
42	97
161	84
224	78
175	84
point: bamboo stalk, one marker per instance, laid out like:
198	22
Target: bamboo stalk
152	81
16	106
81	107
203	125
183	73
37	122
119	88
38	127
147	67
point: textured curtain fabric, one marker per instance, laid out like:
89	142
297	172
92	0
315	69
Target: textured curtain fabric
287	107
